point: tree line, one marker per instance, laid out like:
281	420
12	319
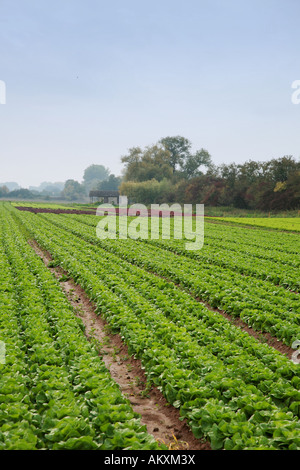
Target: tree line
94	177
170	172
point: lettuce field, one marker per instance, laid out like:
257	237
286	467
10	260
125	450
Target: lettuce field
284	223
214	330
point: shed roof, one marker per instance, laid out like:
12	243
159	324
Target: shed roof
104	193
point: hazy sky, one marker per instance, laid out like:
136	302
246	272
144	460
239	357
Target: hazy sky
88	79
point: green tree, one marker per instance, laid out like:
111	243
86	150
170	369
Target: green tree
179	148
22	193
170	158
182	160
278	170
151	163
93	174
194	163
147	192
112	183
73	190
4	191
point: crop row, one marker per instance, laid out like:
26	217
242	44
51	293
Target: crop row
259	303
56	392
272	245
284	223
233	390
273	242
229	251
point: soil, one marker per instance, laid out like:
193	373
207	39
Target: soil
38	210
161	419
263	337
91	211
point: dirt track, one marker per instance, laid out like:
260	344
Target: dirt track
162	420
116	210
38	210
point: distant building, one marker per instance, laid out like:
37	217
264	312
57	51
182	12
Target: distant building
107	197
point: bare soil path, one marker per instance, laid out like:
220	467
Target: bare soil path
162	419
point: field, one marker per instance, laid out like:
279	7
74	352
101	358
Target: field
283	224
213	332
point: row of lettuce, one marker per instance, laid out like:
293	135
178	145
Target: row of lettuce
278	223
262	304
234	391
55	391
267	256
247	255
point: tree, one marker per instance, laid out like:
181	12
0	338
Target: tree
182	160
205	189
284	196
73	190
251	172
22	193
132	162
170	158
229	173
179	148
93	174
4	191
151	163
11	185
193	163
111	184
148	192
279	169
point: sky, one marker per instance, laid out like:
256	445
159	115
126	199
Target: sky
86	80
